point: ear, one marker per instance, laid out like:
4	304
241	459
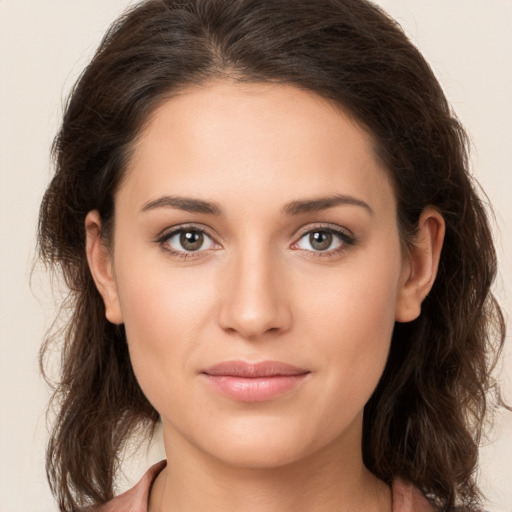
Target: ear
100	264
420	267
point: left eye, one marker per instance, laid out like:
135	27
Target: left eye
189	240
320	240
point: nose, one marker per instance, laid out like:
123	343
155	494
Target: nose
254	298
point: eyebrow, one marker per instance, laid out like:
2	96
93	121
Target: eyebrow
297	207
187	204
323	203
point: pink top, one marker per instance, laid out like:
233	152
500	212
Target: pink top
406	498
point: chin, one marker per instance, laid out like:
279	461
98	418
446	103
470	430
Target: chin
253	455
259	446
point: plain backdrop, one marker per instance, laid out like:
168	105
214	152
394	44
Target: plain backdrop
44	46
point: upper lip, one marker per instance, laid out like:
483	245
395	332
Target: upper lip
253	370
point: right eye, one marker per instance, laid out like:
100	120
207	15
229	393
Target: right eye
187	240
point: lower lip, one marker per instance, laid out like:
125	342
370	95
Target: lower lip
255	389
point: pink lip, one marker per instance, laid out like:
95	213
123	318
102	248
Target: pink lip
254	382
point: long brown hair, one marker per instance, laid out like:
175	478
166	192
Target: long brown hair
425	419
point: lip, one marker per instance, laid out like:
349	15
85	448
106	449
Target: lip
254	382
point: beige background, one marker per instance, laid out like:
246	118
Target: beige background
44	45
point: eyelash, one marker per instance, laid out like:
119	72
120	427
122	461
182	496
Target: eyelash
346	238
167	235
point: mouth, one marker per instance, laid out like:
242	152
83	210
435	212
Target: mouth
254	382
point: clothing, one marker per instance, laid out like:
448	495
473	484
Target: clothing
135	499
406	498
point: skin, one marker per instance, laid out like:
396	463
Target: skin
256	290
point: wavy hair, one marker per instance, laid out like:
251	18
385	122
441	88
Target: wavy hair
425	419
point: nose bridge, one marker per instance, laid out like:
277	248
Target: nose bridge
254	301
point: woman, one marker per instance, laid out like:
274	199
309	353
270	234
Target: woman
263	211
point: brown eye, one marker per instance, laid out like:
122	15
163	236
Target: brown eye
191	240
324	240
187	240
320	240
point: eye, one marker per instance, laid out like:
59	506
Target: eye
185	240
323	240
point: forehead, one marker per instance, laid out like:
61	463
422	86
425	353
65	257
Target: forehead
225	140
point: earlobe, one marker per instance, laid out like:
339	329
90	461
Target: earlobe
100	264
420	268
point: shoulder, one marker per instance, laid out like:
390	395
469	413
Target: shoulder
136	499
408	498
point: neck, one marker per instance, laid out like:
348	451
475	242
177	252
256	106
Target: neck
332	479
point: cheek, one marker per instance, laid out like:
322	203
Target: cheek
351	317
164	312
158	298
356	302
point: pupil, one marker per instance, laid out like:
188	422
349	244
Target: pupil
320	240
191	240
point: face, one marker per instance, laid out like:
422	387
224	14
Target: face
257	267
